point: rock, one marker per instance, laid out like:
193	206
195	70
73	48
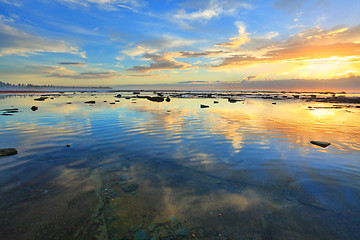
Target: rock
182	232
69	103
34	108
7	152
90	102
216	102
321	144
231	100
117	101
168	99
112	103
274	103
136	92
68	145
130	188
203	106
152	227
118	96
105	101
125	178
155	99
140	235
9	111
40	99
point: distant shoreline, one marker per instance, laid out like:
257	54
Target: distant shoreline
24	91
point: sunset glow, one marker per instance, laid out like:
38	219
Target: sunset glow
177	43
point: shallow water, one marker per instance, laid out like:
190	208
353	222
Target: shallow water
242	170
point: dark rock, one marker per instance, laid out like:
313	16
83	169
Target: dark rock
232	100
112	103
7	152
216	102
8	111
118	96
68	145
155	99
34	108
160	94
125	178
117	101
274	103
136	92
168	99
321	144
127	98
203	106
140	235
69	103
130	188
40	99
90	102
183	232
152	227
105	101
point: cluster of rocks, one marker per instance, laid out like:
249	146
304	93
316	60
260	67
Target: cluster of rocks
9	111
169	230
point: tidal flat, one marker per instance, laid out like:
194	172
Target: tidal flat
128	165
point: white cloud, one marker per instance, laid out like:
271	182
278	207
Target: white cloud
12	2
108	5
17	42
136	51
213	9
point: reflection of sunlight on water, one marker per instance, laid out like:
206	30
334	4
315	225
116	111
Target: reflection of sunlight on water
322	113
219	157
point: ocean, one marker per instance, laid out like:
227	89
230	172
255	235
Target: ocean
130	168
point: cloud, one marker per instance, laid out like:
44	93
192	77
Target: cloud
241	39
248	78
144	75
207	10
201	54
137	51
167	41
63	72
108	5
16	3
164	61
194	82
17	42
308	45
72	63
295	5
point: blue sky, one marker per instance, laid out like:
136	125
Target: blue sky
122	42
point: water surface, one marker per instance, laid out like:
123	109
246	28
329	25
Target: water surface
242	170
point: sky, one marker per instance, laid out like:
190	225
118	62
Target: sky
178	43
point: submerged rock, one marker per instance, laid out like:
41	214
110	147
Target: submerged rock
34	108
203	106
130	188
155	99
125	178
182	232
321	144
140	235
7	152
